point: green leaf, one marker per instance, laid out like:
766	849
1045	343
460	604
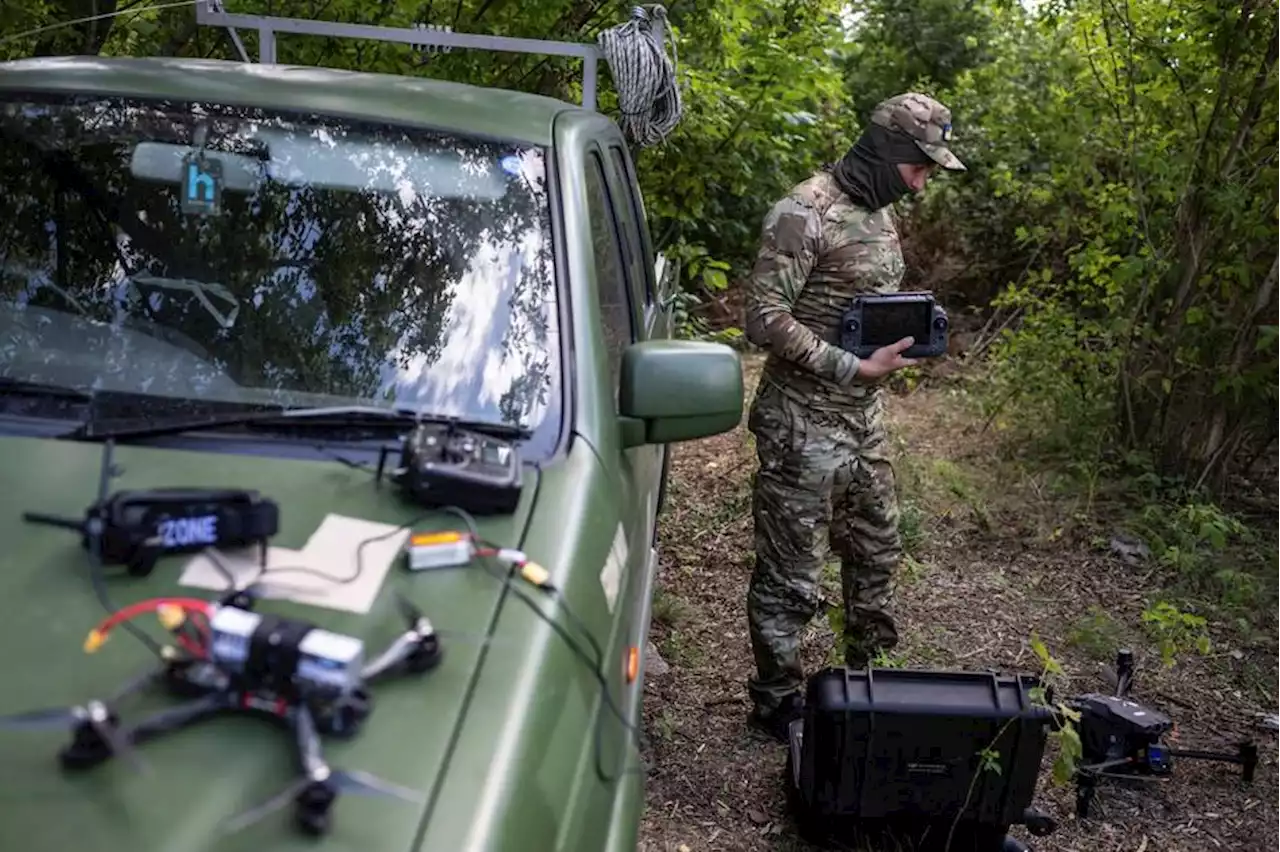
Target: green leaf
714	279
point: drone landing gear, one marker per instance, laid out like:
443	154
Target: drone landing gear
1154	764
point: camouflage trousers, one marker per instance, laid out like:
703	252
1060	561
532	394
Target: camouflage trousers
823	478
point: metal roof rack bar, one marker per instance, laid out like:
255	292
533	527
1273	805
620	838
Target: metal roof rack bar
209	13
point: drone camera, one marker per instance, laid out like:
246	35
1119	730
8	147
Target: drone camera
289	656
447	465
137	528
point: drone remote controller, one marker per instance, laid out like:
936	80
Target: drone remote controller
876	320
136	528
447	465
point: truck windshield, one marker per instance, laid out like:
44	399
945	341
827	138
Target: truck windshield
200	252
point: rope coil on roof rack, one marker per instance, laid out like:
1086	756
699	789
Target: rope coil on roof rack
643	74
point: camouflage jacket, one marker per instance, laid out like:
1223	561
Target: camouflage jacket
818	250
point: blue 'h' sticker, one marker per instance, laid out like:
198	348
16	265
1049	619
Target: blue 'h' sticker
201	185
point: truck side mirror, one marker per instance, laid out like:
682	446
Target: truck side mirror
679	390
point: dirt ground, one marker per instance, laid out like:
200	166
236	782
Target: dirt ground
994	557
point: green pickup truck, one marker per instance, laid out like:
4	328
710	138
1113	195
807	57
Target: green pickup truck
382	252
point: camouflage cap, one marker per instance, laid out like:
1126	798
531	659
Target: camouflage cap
925	120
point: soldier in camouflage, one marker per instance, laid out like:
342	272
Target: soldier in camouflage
818	414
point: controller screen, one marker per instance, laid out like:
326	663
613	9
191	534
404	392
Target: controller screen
888	322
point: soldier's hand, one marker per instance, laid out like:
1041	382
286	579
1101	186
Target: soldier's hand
885	360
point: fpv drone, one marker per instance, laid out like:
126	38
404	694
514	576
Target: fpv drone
240	661
1121	738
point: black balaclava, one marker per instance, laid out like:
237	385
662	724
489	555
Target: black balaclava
869	172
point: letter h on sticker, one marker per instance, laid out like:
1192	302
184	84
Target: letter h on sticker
201	185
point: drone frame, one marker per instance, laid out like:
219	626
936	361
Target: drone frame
1142	764
97	734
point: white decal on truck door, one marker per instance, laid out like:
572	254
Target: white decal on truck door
614	565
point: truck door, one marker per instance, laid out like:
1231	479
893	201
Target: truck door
653	320
622	295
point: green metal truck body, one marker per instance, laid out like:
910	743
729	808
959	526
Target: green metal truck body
509	740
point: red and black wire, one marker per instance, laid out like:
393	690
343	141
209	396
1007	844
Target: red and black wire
186	618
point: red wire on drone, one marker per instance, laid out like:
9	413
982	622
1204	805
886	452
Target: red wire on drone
188	605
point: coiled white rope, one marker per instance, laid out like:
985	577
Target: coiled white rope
644	76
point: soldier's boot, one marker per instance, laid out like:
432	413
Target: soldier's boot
777	722
864	643
780	602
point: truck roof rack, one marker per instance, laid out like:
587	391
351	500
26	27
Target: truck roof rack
212	13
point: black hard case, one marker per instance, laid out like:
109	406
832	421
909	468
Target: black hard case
899	751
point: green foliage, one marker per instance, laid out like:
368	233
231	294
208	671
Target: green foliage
764	105
1186	537
1119	208
911	521
1097	633
1209	554
1118	218
1065	734
1175	632
927	42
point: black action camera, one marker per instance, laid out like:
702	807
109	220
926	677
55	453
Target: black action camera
880	319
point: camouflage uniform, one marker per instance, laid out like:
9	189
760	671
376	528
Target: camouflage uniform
824	472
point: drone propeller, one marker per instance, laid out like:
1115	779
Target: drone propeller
94	714
318	789
55	717
320	785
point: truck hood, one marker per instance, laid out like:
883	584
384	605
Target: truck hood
196	779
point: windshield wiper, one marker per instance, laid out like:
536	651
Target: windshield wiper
10	386
332	417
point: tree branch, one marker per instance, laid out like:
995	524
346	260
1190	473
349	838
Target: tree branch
1253	107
